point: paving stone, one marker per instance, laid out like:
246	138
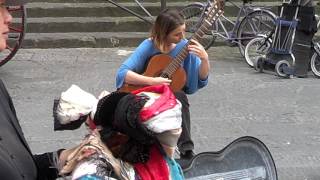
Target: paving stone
238	101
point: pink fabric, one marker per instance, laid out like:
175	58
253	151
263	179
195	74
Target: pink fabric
166	101
92	126
166	120
155	168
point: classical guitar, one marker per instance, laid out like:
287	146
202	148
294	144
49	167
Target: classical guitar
165	66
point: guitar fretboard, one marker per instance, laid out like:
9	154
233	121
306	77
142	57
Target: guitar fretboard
214	13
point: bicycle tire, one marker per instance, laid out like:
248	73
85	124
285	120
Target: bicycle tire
193	15
246	30
16	34
315	64
256	47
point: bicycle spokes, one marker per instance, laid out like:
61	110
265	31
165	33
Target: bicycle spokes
16	33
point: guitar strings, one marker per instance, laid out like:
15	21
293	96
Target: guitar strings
176	63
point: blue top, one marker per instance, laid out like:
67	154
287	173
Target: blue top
175	169
138	59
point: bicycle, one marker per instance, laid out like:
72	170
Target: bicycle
315	59
257	47
261	46
17	31
250	21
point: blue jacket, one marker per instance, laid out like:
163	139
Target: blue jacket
140	57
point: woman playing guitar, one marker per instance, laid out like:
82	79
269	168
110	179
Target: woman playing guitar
190	74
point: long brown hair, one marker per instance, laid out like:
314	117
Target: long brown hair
167	21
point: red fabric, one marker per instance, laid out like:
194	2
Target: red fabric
166	101
155	168
92	126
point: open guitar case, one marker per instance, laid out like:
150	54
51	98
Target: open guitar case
246	158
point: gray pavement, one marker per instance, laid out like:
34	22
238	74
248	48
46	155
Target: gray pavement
283	113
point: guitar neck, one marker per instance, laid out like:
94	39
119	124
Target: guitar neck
212	13
176	62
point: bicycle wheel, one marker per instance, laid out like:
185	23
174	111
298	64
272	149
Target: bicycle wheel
17	30
194	14
257	47
315	64
257	22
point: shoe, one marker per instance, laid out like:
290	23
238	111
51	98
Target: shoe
187	155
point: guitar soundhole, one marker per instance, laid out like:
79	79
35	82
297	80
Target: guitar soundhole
164	75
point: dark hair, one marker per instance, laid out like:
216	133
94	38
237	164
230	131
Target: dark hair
167	21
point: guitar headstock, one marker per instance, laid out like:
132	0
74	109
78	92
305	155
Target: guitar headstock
212	13
215	10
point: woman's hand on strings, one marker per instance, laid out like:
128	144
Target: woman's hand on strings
196	48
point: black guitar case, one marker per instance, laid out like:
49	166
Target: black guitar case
246	158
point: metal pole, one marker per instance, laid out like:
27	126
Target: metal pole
130	11
163	4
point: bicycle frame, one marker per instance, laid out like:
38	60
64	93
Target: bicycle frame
316	45
146	12
230	36
16	34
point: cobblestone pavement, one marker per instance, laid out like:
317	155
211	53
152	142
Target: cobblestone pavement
283	113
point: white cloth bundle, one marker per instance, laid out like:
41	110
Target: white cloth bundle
166	120
75	103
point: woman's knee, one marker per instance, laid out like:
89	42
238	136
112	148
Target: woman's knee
182	97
